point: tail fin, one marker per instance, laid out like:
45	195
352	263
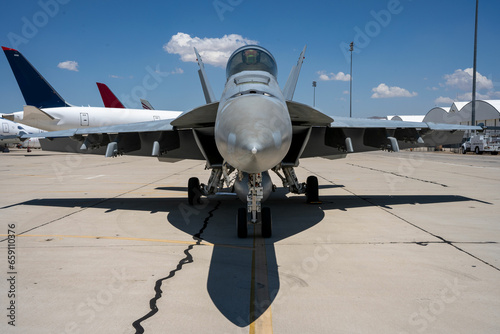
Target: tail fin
108	98
35	89
146	105
291	83
205	85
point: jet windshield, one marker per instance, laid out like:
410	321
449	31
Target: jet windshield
251	58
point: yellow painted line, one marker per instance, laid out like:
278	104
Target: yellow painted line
264	324
110	238
260	297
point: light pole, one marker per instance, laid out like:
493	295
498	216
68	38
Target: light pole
314	93
473	114
350	81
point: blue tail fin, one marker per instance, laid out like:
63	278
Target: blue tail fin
36	90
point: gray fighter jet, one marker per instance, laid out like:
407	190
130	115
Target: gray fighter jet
253	129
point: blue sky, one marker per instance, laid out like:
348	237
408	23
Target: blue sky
410	55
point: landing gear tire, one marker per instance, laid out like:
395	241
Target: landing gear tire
312	193
241	223
194	191
267	223
477	151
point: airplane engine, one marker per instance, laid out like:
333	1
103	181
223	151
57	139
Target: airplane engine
241	187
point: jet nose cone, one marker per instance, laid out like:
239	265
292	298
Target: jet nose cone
253	133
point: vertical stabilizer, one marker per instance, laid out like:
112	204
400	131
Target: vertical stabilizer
207	89
35	89
291	83
108	98
146	105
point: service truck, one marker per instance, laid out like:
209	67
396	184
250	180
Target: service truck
482	143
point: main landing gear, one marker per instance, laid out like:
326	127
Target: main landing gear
257	189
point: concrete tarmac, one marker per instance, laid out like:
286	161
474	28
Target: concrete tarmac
402	243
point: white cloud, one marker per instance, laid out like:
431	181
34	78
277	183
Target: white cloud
443	100
214	51
345	92
69	65
384	91
341	76
468	96
177	70
462	79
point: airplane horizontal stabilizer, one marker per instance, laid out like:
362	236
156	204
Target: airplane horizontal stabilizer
34	114
198	117
302	114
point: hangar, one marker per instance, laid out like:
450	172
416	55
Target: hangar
487	113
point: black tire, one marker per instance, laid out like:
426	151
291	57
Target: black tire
494	153
312	193
477	150
194	192
241	223
267	223
464	151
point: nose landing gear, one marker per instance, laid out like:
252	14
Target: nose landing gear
253	213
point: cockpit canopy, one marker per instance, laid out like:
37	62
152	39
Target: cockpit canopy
251	58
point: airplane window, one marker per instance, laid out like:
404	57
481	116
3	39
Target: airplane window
251	58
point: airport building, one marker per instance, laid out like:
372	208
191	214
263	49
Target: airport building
487	113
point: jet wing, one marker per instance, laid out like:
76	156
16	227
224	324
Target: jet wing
154	138
351	135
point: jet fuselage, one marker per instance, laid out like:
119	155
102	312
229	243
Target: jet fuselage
253	130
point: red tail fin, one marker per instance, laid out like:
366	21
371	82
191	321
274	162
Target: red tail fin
109	99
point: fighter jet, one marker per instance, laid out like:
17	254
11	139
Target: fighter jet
47	110
254	129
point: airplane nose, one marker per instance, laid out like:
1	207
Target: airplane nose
253	133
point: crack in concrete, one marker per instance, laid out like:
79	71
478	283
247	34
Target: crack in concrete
186	260
443	240
399	175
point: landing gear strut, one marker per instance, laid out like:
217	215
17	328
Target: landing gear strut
254	212
290	181
254	208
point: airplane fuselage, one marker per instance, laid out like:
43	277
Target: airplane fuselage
10	132
253	130
64	118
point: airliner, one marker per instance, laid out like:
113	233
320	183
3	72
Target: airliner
47	110
11	133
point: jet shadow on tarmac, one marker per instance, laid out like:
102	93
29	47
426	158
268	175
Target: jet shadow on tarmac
231	280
